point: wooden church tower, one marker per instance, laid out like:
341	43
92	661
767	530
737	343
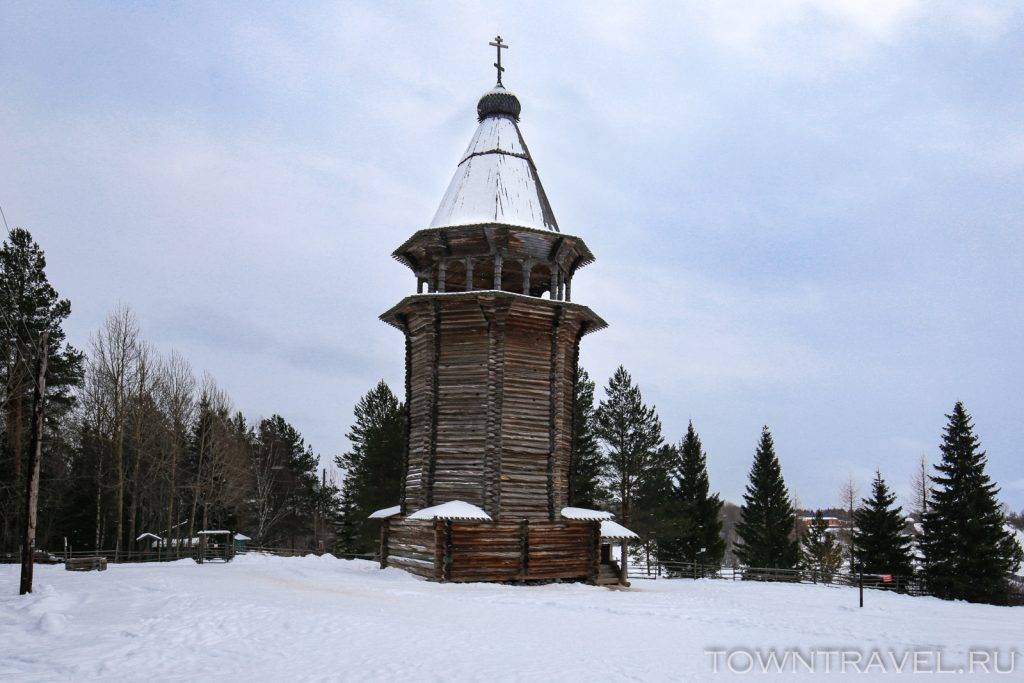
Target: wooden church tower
491	346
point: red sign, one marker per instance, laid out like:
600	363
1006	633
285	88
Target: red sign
886	578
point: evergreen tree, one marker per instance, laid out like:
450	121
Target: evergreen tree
821	553
28	306
373	465
631	433
587	463
346	529
658	514
880	545
765	528
968	554
699	536
286	472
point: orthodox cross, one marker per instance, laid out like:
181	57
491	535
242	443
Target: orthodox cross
499	46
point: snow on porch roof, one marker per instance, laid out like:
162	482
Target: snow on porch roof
386	512
242	537
453	509
614	531
585	514
213	532
148	535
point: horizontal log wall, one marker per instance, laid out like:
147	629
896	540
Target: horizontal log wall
490	404
411	546
510	551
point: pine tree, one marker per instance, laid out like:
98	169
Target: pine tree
631	433
968	554
702	541
765	528
29	305
373	465
587	462
821	553
879	542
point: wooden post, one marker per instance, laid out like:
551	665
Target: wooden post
527	267
28	547
469	274
442	268
447	550
524	549
385	529
624	572
497	271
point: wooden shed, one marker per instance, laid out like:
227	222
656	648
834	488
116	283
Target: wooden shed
491	354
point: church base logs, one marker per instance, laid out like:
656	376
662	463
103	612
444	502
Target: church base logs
511	551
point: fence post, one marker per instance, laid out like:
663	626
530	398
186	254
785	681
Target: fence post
860	584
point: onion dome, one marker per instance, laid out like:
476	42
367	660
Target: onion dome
496	102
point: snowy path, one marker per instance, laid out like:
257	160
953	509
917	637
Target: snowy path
261	618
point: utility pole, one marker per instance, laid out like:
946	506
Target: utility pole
28	546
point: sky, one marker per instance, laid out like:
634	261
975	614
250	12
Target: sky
805	214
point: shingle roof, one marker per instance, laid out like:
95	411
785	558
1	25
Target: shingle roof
496	180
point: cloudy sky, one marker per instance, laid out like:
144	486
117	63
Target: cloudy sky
805	214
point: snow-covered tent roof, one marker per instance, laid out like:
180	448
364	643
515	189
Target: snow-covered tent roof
585	514
148	535
386	512
453	509
496	180
242	537
613	531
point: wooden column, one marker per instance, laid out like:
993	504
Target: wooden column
524	549
435	389
560	284
407	428
497	271
385	529
554	384
447	567
442	268
624	570
527	267
553	285
469	274
568	289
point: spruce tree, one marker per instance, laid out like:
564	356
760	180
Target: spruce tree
968	554
765	528
631	433
657	514
587	463
346	543
821	553
373	464
880	545
699	531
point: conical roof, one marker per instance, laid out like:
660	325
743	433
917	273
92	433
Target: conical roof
496	180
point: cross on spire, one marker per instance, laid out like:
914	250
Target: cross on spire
497	44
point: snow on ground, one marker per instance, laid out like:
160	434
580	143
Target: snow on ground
269	618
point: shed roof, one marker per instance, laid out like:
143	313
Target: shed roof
585	514
496	180
242	537
453	509
613	531
148	535
386	512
